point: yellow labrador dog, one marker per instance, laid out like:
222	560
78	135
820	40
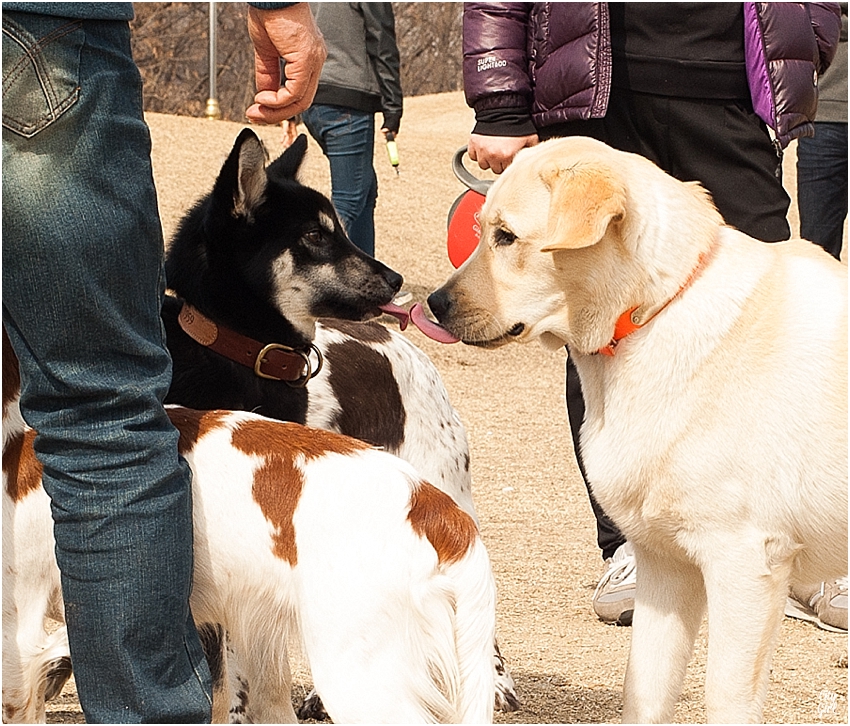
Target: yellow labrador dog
714	370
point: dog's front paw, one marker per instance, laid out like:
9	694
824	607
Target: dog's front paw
506	698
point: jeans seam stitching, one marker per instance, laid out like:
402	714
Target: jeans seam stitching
31	51
42	43
31	55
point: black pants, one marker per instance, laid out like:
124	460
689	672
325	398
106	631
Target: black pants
721	144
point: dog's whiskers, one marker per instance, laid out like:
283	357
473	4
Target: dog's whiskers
476	325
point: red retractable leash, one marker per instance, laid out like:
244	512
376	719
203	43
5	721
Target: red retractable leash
464	229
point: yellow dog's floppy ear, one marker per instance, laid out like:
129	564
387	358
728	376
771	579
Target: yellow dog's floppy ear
584	201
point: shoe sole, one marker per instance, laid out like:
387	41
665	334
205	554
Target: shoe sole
624	619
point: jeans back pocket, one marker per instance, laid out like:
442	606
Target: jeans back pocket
41	68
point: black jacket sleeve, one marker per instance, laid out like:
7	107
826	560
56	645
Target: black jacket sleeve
383	52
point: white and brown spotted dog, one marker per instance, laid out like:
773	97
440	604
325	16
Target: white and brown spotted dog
299	534
714	371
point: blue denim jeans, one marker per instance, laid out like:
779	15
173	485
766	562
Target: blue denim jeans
82	289
347	137
822	185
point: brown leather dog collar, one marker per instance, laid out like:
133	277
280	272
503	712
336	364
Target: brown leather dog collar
273	360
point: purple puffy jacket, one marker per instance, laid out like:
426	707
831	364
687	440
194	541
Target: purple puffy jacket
556	58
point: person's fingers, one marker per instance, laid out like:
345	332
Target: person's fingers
266	65
478	152
288	100
291	34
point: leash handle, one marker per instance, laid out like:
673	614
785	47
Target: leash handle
392	150
463	174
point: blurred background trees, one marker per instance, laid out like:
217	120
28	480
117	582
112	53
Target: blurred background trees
171	46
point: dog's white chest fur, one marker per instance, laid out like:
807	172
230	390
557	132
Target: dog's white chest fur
684	420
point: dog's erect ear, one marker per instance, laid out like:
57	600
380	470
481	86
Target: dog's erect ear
584	201
251	175
287	164
241	184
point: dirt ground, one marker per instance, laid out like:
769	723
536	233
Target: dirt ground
532	504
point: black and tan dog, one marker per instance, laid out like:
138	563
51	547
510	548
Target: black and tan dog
270	295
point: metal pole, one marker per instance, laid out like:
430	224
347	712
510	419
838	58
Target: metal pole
213	111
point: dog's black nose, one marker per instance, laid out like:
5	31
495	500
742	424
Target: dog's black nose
394	280
440	302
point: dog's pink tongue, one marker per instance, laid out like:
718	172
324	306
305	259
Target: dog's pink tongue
433	330
397	312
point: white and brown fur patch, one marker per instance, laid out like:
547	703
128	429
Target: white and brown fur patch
299	534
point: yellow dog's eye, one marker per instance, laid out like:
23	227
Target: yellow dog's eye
504	237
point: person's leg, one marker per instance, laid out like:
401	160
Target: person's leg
347	137
362	228
608	536
82	289
822	186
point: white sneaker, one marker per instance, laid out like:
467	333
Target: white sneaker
823	603
614	599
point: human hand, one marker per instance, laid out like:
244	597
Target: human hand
497	152
289	33
290	132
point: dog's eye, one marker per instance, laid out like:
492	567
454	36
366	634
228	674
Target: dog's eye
504	237
313	236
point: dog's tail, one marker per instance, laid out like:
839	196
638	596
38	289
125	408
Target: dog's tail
450	633
395	597
468	680
475	631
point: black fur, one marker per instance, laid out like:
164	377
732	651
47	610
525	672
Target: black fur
374	414
222	261
212	641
